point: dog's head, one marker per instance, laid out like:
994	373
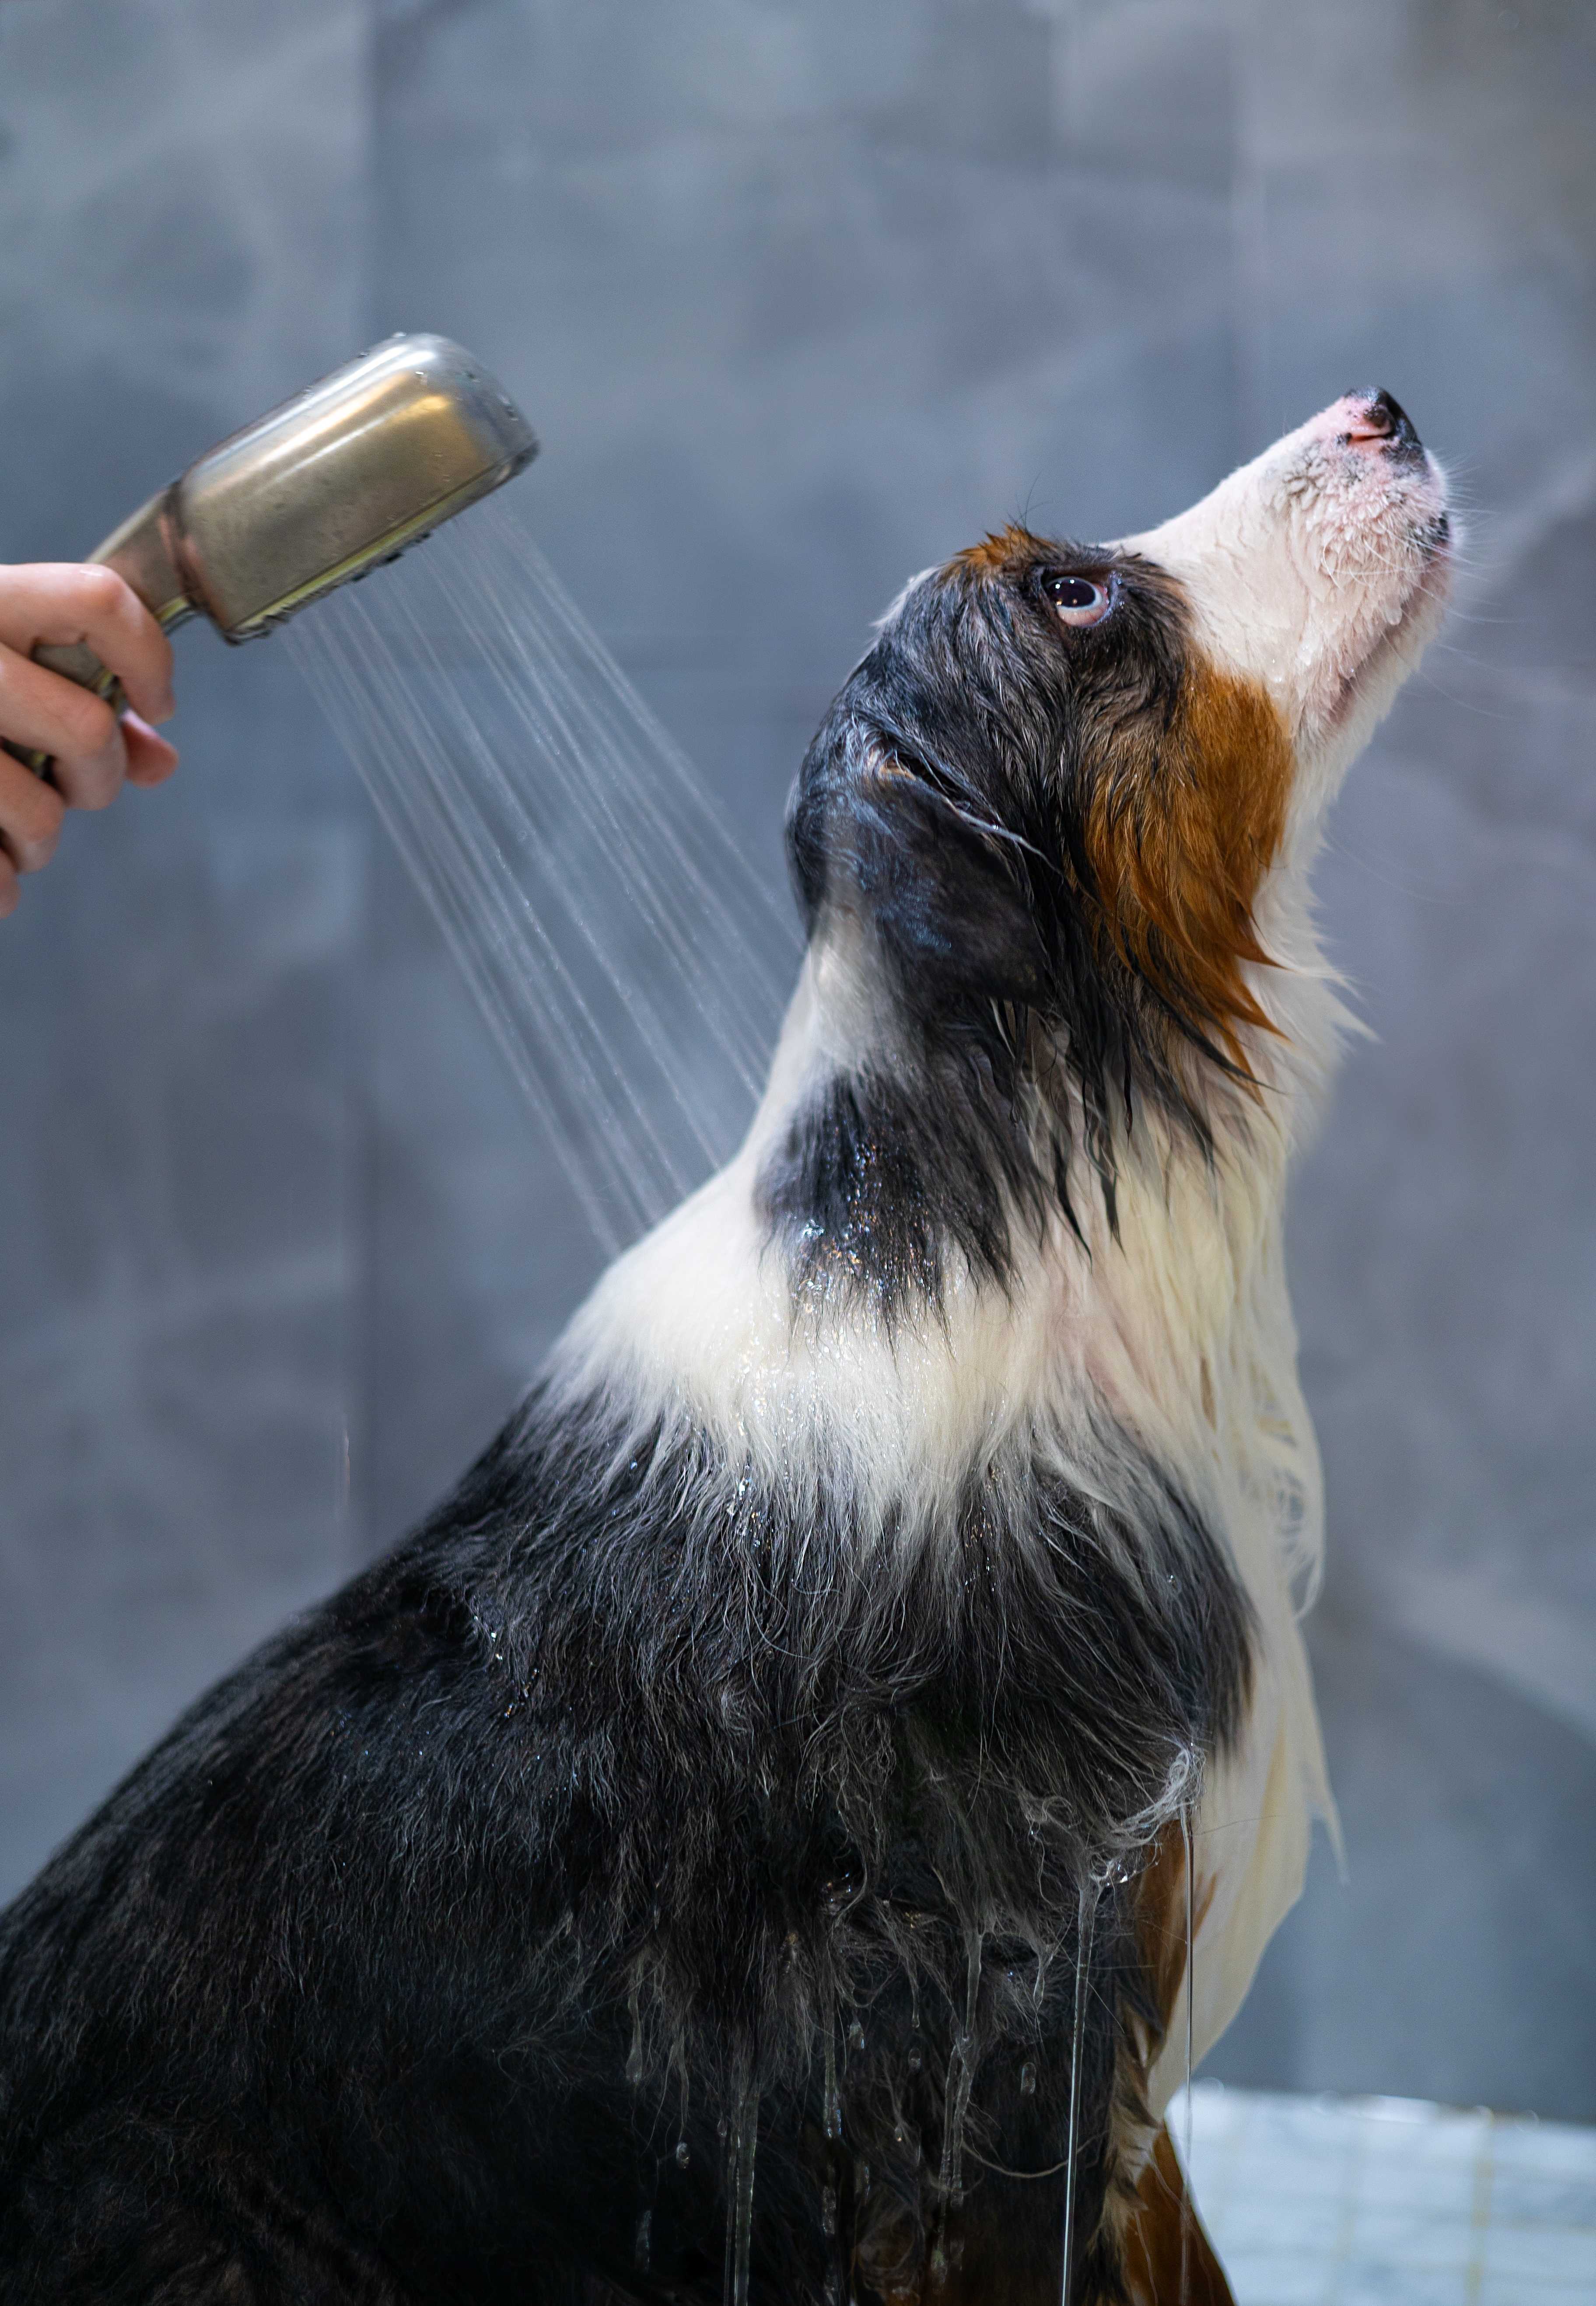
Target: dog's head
1058	784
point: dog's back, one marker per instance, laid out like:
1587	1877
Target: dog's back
806	1789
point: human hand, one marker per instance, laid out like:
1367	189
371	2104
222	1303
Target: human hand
94	751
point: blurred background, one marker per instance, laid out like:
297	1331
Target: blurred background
803	294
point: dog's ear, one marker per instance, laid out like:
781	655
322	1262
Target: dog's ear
947	889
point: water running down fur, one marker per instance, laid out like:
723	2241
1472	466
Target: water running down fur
739	1840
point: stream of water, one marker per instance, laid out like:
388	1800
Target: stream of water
631	964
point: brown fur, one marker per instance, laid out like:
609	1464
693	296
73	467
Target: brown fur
1161	1923
1166	2258
999	550
1181	834
1185	823
1169	2259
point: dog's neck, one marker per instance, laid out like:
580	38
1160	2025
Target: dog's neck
809	1312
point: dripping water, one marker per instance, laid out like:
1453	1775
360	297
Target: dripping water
832	2189
630	962
635	2047
741	2146
962	2074
1186	1845
1085	1920
831	2103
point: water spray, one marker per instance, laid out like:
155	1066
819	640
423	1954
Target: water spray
627	961
321	491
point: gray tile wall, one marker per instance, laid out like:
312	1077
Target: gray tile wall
801	297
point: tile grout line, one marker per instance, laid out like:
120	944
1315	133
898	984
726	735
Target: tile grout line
1479	2218
1342	2249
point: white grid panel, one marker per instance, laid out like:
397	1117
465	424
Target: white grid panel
1391	2201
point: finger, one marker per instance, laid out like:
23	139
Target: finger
63	600
42	709
10	886
150	759
30	815
91	780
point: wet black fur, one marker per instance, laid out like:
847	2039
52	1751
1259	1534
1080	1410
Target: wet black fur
945	800
618	1760
444	1952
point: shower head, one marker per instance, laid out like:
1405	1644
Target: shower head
318	491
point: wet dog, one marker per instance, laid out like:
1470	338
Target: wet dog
783	1822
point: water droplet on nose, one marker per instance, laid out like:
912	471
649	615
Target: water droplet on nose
856	2037
683	2157
1028	2080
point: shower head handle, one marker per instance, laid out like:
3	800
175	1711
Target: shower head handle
319	491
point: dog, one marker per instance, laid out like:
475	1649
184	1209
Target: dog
782	1828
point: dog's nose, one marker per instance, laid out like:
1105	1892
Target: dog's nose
1377	416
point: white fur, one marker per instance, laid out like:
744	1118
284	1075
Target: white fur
1306	573
1309	571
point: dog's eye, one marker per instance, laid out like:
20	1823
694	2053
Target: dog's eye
1080	599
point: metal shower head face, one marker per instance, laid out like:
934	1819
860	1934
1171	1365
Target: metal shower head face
314	493
325	486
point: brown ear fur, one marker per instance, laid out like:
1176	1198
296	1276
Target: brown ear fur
1183	825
